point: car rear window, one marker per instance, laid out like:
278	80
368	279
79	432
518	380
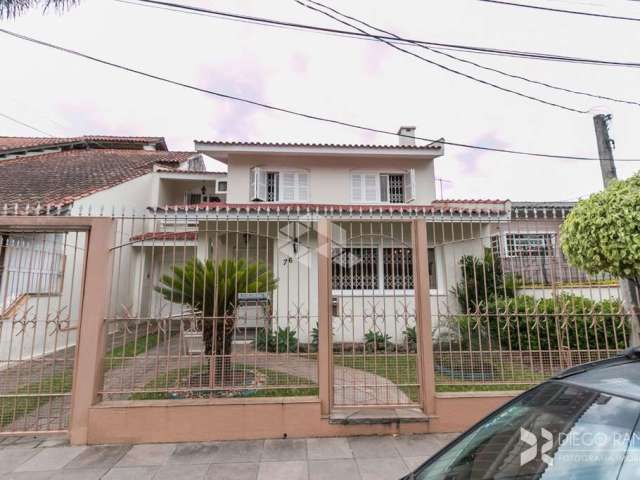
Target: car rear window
555	431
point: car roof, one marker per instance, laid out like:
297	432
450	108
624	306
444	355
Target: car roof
619	375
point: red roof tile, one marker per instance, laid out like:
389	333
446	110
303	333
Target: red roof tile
431	146
192	235
469	200
60	178
27	143
294	208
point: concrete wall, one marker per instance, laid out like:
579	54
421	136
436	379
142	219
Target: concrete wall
329	180
236	419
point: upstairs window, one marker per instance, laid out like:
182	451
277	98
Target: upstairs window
279	186
375	187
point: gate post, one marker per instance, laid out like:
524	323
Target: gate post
87	377
422	301
325	368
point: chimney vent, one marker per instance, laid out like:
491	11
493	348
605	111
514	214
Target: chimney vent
407	135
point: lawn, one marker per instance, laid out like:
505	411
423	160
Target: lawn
278	384
117	356
19	402
401	369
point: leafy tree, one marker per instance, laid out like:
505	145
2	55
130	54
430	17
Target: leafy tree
12	8
212	290
602	232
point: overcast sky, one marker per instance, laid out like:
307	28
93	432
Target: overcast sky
352	80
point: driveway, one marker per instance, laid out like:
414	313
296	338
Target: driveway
354	458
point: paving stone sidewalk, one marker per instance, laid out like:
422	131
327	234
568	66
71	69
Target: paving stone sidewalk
354	458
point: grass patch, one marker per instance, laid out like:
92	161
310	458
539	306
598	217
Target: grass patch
117	356
402	370
278	384
14	407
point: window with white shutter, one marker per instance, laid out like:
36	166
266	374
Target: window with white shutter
288	188
356	188
410	186
303	187
257	184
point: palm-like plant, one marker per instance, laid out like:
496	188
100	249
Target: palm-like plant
211	289
12	8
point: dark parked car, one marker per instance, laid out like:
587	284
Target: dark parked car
581	424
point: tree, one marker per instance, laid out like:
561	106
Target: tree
602	234
12	8
212	291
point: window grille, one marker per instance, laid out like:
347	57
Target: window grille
397	268
530	244
272	186
355	268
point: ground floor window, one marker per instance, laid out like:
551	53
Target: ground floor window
530	244
376	267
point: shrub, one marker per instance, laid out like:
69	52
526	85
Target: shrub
481	281
411	339
283	340
375	340
562	322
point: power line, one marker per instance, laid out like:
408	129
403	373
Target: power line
170	6
446	68
495	70
309	116
561	10
19	122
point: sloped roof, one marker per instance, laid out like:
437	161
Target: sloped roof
431	146
9	144
349	211
62	177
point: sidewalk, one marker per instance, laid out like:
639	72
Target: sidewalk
354	458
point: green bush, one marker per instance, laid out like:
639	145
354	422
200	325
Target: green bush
375	340
283	340
482	280
412	339
561	322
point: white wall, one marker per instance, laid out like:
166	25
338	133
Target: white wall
329	180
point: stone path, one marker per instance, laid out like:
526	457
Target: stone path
353	386
354	458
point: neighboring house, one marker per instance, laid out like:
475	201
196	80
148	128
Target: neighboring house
12	147
95	175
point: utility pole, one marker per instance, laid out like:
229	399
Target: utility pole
628	288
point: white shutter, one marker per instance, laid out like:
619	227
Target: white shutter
303	187
257	184
410	186
288	186
356	188
371	187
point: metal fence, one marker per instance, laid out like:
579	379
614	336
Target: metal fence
508	310
206	306
224	303
41	275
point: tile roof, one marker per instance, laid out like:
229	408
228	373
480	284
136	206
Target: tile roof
354	210
61	177
474	201
192	235
26	143
431	146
